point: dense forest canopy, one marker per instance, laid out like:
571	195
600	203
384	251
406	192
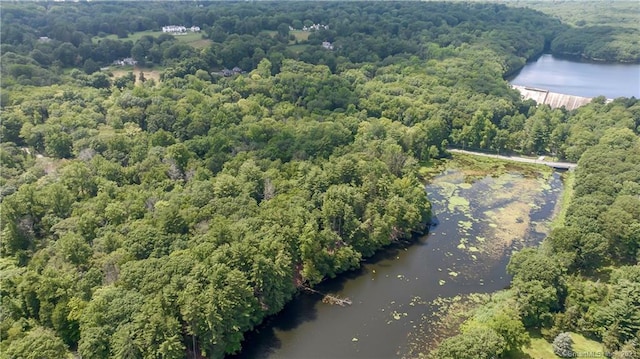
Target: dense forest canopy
166	217
600	30
40	39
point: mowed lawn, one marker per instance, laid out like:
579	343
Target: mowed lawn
191	38
541	349
298	48
149	74
298	34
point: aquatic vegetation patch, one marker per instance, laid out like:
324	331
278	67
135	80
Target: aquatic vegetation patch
492	208
447	188
476	167
458	203
417	300
495	209
447	316
544	184
541	227
508	227
465	224
506	211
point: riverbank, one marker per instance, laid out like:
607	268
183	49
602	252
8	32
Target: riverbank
567	194
583	58
395	292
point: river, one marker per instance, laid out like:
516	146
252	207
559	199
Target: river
586	79
396	294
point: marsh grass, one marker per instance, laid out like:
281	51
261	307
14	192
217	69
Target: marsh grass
448	315
431	168
476	167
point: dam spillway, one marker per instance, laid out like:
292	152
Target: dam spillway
553	99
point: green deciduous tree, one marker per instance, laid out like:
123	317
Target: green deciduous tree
38	343
477	343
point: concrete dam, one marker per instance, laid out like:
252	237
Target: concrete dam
553	99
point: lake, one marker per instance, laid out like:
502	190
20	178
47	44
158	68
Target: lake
399	293
586	79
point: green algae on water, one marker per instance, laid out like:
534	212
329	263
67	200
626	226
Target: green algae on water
465	224
459	203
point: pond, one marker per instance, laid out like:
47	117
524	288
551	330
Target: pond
586	79
398	293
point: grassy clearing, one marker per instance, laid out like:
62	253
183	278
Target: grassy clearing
200	44
298	48
298	34
541	349
149	74
193	38
567	195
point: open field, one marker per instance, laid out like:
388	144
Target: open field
298	48
298	34
541	349
191	38
149	74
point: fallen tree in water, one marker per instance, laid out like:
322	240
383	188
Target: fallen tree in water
330	298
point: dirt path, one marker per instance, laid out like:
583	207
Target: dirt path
561	165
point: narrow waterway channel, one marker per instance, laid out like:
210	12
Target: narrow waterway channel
480	221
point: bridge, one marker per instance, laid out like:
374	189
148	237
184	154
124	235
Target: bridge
553	99
538	161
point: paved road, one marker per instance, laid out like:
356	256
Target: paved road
565	165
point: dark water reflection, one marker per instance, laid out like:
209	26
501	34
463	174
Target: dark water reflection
465	253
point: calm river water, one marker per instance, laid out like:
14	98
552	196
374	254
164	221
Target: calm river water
396	293
584	79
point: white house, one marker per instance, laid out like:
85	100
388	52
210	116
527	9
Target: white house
315	27
126	61
179	29
327	45
174	29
